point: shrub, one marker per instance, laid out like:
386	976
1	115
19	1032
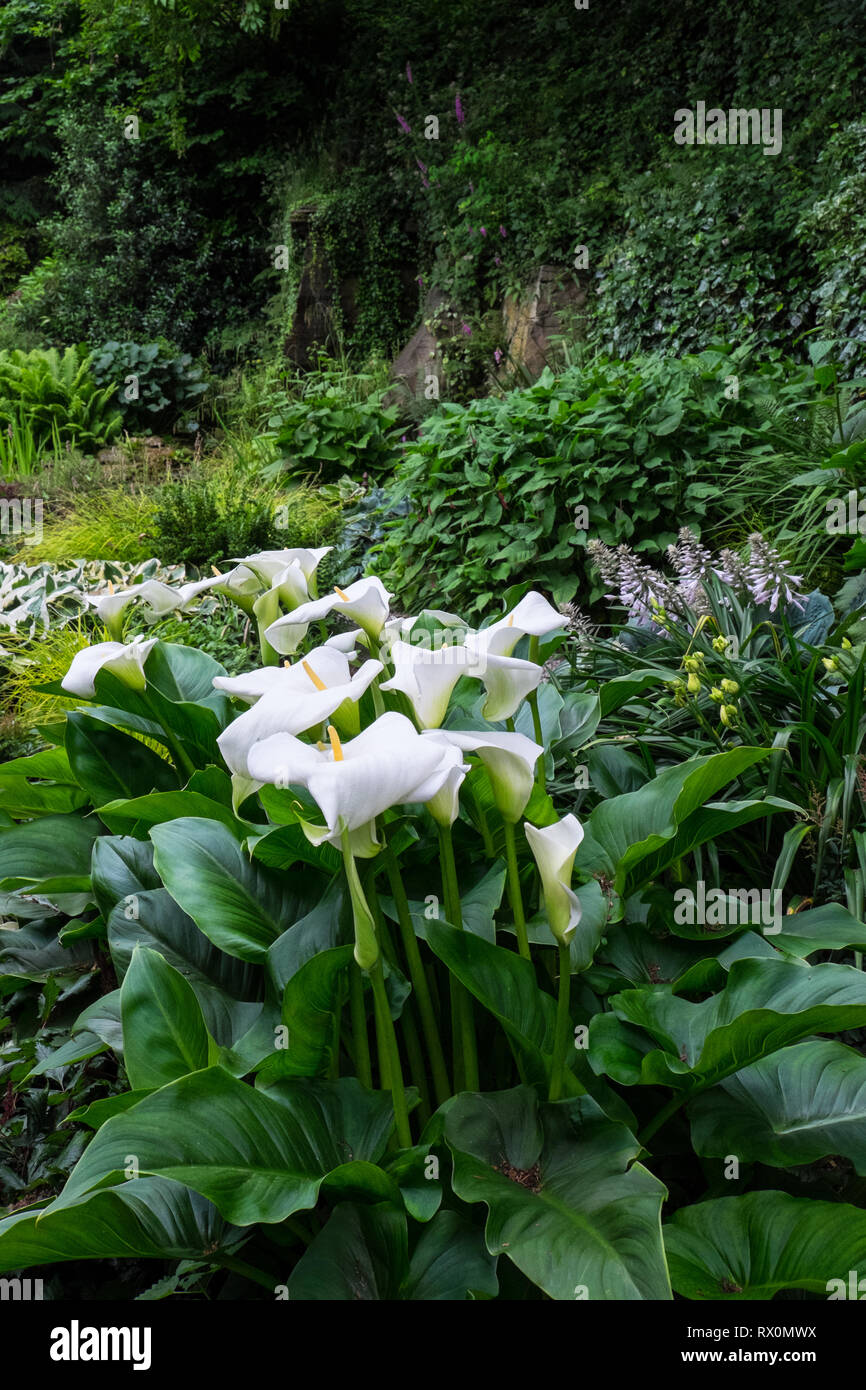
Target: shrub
208	518
495	487
60	395
158	386
834	228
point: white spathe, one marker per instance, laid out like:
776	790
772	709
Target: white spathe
269	563
366	602
533	615
509	760
428	677
288	711
388	764
331	667
124	660
554	847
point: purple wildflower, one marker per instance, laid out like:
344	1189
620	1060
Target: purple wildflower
466	329
404	125
483	231
497	356
497	260
409	73
501	230
458	109
421	165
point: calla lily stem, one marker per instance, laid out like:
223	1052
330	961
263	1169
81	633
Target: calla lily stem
563	1026
462	1020
358	1013
441	1084
515	897
389	1049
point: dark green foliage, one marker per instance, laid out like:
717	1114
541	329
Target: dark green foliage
494	487
167	386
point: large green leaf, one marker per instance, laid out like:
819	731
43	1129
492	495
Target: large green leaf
241	906
146	1218
108	763
564	1204
158	807
363	1254
52	849
120	868
257	1158
754	1246
228	989
804	1103
164	1036
39	785
311	1001
765	1005
179	704
626	830
830	927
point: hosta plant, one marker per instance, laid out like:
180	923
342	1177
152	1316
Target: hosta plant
394	1024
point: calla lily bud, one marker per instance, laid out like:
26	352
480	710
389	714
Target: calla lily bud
554	847
124	661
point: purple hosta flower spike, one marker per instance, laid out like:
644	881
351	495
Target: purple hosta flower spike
769	580
458	109
409	73
404	125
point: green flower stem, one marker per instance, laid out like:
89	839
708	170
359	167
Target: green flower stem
664	1115
532	700
247	1271
563	1026
515	897
388	1048
360	1040
465	1047
408	1025
483	826
439	1070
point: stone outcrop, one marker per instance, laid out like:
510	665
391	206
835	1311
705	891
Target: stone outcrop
531	320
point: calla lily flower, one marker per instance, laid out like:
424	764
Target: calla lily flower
329	666
428	677
296	701
532	615
554	847
267	564
365	602
156	598
126	661
444	807
388	764
241	584
509	760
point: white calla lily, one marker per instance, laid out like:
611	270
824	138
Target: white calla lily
301	702
267	564
366	602
554	847
508	681
330	666
444	806
533	615
124	660
428	677
509	760
388	764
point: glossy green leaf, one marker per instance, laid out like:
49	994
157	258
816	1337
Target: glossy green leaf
109	764
754	1246
164	1035
564	1204
804	1103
